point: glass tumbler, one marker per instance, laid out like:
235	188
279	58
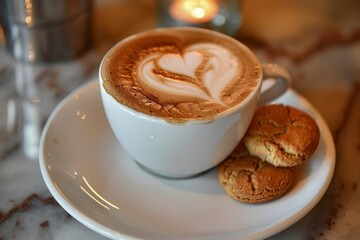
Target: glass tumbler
9	111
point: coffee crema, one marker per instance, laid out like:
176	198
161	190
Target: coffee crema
180	74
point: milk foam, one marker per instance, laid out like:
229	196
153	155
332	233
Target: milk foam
216	66
180	74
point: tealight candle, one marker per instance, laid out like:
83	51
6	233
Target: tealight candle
194	11
219	15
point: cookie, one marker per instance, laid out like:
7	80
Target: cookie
240	150
282	135
251	180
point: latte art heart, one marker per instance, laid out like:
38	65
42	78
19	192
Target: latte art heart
203	71
185	65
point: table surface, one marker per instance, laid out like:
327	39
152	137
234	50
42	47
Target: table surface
317	41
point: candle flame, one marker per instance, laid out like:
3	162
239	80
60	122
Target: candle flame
194	11
198	12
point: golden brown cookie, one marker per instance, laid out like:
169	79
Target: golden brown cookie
240	150
282	135
248	179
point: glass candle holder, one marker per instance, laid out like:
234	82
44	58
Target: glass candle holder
219	15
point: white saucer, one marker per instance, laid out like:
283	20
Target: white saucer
93	179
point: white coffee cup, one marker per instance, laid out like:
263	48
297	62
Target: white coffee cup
180	150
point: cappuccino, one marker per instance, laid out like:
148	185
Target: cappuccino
180	74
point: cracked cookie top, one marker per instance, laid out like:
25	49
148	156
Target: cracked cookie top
248	179
282	135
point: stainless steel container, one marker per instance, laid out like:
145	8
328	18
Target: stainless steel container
46	30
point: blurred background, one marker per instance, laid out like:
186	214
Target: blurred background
50	47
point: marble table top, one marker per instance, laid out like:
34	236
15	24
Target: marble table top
317	41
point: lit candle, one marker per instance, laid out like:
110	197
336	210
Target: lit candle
194	11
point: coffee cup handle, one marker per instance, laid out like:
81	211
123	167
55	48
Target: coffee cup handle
279	82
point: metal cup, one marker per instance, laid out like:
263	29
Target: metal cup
46	30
